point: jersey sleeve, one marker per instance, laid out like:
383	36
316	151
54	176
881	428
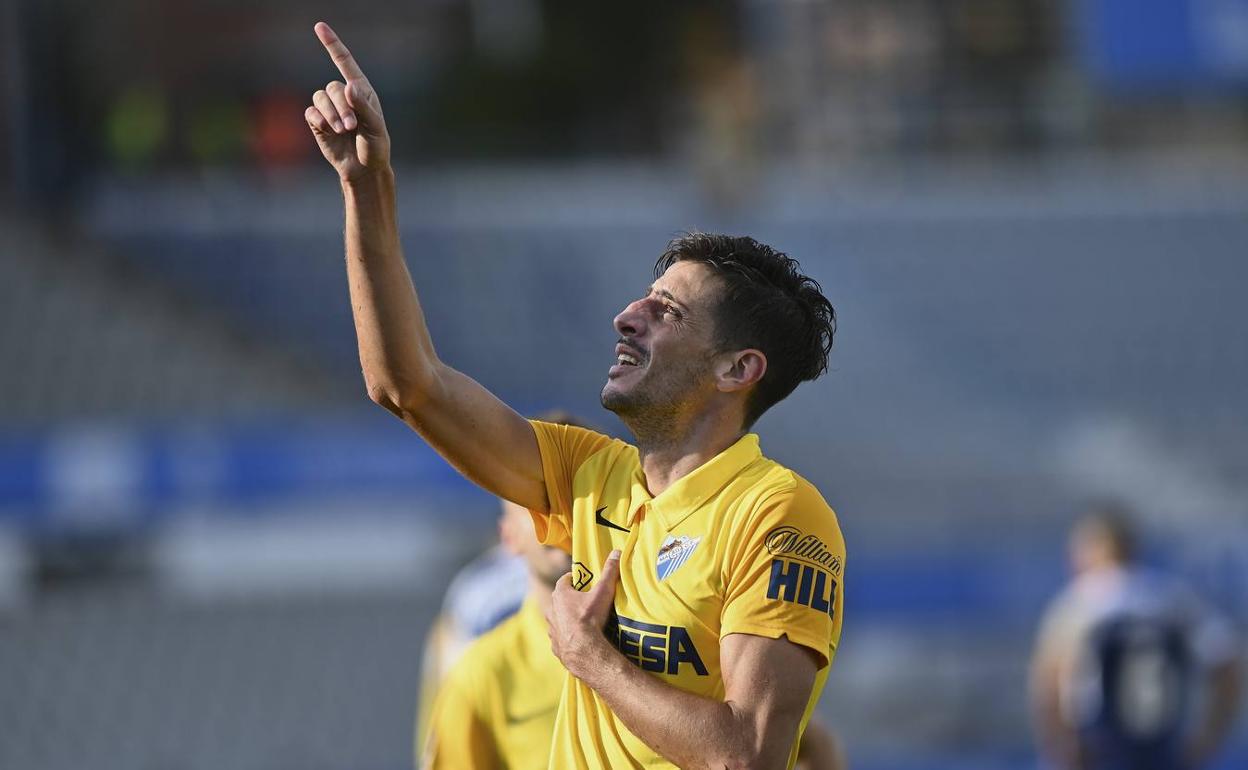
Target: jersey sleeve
564	449
1062	625
459	734
786	576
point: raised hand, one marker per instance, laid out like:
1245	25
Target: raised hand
346	117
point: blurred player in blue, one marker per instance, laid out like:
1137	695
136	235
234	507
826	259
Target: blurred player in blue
1132	671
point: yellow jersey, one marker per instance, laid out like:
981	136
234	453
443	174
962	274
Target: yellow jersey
484	592
496	707
740	545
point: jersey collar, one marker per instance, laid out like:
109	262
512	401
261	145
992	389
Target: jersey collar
688	494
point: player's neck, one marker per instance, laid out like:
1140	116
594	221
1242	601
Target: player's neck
540	592
685	446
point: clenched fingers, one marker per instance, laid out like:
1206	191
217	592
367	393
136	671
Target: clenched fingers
338	96
322	102
317	121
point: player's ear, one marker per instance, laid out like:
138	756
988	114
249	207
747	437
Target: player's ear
739	369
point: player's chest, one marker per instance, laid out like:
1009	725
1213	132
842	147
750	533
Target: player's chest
670	595
670	566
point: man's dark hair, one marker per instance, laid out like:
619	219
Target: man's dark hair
1110	520
767	304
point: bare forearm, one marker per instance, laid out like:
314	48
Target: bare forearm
1056	741
396	351
689	730
1225	692
478	434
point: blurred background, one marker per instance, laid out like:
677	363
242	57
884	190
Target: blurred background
1031	215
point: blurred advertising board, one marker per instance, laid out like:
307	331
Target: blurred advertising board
1163	45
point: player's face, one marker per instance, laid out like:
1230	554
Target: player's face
516	530
663	360
548	564
1089	549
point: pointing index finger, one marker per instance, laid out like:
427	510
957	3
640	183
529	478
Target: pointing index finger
343	59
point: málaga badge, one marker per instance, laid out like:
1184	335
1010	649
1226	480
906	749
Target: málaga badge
674	552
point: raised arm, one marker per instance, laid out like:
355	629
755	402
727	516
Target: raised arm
482	437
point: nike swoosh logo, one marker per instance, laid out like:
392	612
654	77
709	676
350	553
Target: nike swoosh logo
515	719
598	519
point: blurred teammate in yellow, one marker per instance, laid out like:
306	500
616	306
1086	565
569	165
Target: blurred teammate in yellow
716	573
484	593
496	706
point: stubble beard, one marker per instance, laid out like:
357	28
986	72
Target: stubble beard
652	410
549	574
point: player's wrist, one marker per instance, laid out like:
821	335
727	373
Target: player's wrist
596	662
367	181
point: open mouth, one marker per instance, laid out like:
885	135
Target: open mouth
626	357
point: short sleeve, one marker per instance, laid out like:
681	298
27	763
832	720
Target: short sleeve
786	576
1061	627
459	733
564	449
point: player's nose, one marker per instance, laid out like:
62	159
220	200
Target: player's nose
631	321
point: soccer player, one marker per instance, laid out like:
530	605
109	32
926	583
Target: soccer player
484	593
705	599
496	696
495	708
1119	656
496	699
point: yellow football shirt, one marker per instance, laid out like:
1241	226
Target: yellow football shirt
740	545
496	707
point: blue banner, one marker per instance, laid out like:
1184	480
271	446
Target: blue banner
120	477
1164	45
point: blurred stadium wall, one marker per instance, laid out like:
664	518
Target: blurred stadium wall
214	552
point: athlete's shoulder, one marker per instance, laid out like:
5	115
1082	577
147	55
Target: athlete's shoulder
805	493
485	591
781	488
616	450
564	434
478	667
781	509
496	642
579	446
798	516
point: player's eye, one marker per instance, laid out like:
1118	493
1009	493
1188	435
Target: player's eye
671	312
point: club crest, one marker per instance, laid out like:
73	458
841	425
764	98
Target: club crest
674	552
